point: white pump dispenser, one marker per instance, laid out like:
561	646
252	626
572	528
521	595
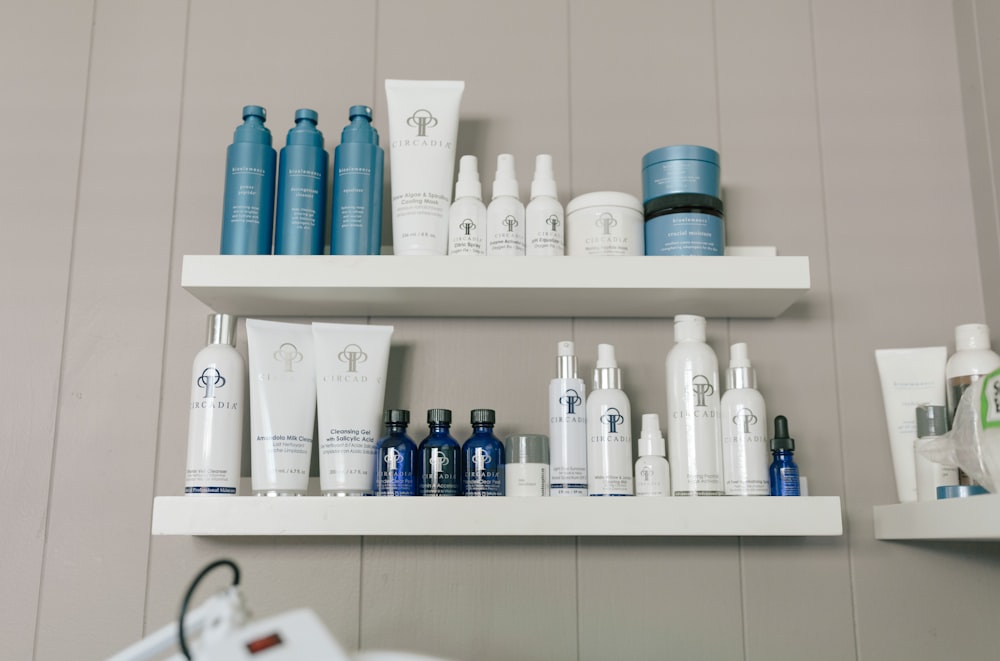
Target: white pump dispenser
467	216
544	216
505	214
652	472
745	455
609	430
567	426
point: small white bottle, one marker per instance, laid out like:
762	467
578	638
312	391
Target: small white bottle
467	216
505	214
652	472
567	426
745	454
544	217
694	435
609	430
215	422
973	359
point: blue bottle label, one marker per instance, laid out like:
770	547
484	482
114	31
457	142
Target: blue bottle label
248	204
481	475
685	233
439	471
301	206
395	472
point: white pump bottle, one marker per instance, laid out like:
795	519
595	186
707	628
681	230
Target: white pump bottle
609	430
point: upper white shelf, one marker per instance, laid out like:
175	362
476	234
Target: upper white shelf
319	515
408	286
971	518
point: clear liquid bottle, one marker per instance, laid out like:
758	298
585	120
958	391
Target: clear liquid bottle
395	457
440	457
784	472
483	457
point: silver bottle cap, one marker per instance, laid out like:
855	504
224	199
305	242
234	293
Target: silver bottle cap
222	329
527	449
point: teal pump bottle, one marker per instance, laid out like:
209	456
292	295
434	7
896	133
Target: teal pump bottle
248	201
357	188
300	219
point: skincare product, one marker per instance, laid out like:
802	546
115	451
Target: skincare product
248	200
604	224
784	471
505	213
483	457
909	377
282	406
973	359
544	217
932	422
395	457
439	457
356	226
744	429
423	130
467	218
300	218
527	469
567	425
680	169
684	224
652	472
215	421
694	432
351	365
609	430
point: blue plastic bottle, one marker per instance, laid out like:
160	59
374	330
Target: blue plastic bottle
395	457
439	457
248	201
357	188
300	217
784	471
483	457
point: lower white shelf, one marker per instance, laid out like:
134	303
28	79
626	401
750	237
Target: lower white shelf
972	518
319	515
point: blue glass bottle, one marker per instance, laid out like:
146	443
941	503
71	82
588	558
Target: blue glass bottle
483	457
356	225
439	457
248	200
784	471
300	217
395	457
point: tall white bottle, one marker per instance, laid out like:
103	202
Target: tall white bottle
544	215
694	435
505	214
215	421
567	426
467	216
609	430
652	472
745	454
973	359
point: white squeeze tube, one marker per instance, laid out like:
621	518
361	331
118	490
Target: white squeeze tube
282	406
351	365
423	130
910	377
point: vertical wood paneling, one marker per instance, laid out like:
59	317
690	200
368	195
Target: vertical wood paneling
46	56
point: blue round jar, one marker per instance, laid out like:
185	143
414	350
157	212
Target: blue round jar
685	224
680	169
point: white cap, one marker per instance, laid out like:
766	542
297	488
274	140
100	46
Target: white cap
505	182
544	182
606	356
689	328
972	336
468	184
651	440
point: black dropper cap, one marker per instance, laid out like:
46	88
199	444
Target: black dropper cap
484	417
439	416
396	417
781	440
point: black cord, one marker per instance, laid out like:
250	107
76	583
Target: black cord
181	639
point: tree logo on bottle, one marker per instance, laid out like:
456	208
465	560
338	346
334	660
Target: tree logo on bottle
480	460
352	354
744	418
605	222
647	473
210	379
422	120
612	418
288	354
438	460
702	388
393	459
571	398
510	222
552	221
467	225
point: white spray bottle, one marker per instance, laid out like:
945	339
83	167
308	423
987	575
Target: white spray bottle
652	472
544	217
567	426
467	216
505	214
609	430
745	454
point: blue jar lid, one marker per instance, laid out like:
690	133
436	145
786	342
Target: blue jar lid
681	153
960	491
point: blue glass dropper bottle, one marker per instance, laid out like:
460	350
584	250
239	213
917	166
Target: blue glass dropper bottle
395	457
483	457
784	471
439	457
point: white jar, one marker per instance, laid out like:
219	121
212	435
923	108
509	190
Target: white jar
604	224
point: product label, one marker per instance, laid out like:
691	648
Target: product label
604	233
439	472
567	437
686	233
481	474
694	433
989	401
528	480
649	481
395	473
609	452
745	450
466	237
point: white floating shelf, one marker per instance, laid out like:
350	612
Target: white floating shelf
319	515
408	286
971	518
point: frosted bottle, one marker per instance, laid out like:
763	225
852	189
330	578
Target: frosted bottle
744	429
215	422
467	216
652	472
567	426
505	213
300	216
544	215
248	200
694	435
356	213
609	430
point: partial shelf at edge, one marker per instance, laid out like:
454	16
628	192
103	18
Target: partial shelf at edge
972	518
408	286
318	515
